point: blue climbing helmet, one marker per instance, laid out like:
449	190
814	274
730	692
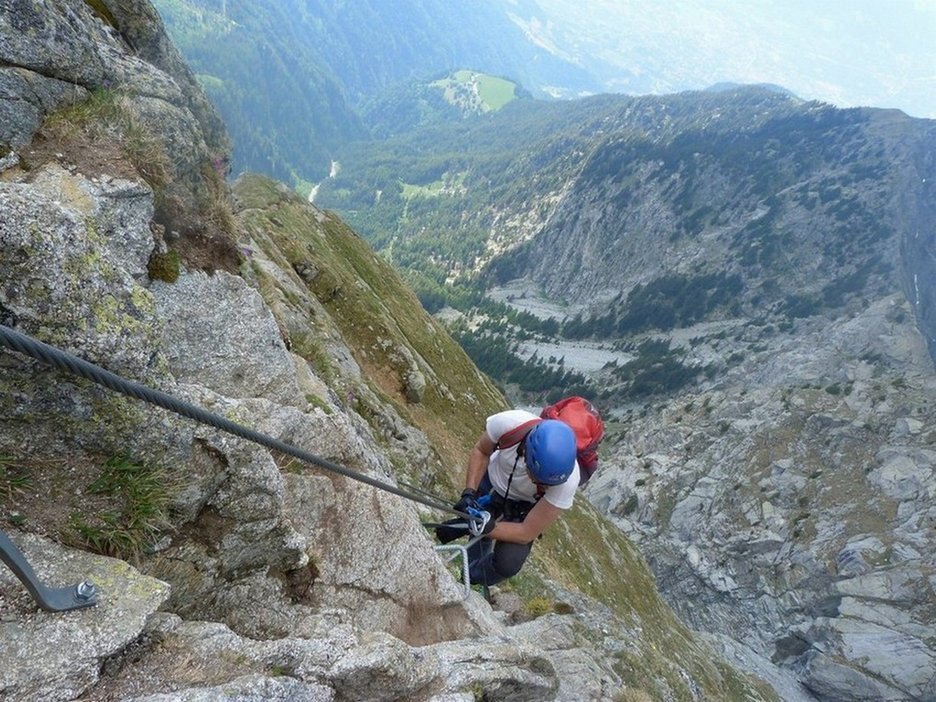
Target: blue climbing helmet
549	451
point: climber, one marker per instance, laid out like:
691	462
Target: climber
525	484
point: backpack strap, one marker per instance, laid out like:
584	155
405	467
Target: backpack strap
514	436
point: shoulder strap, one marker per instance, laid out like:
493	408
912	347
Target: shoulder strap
514	436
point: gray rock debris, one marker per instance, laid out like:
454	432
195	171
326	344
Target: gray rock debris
796	517
536	661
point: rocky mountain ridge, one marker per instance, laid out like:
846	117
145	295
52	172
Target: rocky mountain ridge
252	577
777	464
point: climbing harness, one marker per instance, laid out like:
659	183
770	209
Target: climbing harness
65	361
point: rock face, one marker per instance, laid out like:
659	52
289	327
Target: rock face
802	202
790	506
234	496
57	657
272	579
57	55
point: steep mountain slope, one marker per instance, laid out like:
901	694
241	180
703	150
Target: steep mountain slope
757	271
254	576
276	92
446	198
807	195
774	257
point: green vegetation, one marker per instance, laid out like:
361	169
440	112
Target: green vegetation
293	85
466	86
15	478
496	92
107	117
164	266
500	359
287	127
127	509
664	303
656	370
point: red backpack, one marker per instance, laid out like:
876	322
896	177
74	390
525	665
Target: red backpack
585	421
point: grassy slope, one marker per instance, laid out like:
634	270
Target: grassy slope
369	302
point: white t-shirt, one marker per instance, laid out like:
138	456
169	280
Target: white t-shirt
502	463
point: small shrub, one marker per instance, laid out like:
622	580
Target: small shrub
538	606
164	266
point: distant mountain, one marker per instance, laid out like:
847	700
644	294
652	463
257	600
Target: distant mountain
295	79
850	54
620	207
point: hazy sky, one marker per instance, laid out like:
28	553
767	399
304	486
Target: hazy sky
849	52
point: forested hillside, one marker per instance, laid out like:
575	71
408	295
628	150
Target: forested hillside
296	79
641	215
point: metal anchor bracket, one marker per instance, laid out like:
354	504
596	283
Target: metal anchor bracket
51	599
458	550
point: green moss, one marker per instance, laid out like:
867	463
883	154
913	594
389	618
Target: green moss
318	402
164	266
538	606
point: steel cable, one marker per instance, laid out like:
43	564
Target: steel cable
65	361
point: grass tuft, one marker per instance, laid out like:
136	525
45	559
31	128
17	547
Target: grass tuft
107	116
15	478
133	514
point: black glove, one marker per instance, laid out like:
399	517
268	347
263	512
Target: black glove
469	499
451	530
